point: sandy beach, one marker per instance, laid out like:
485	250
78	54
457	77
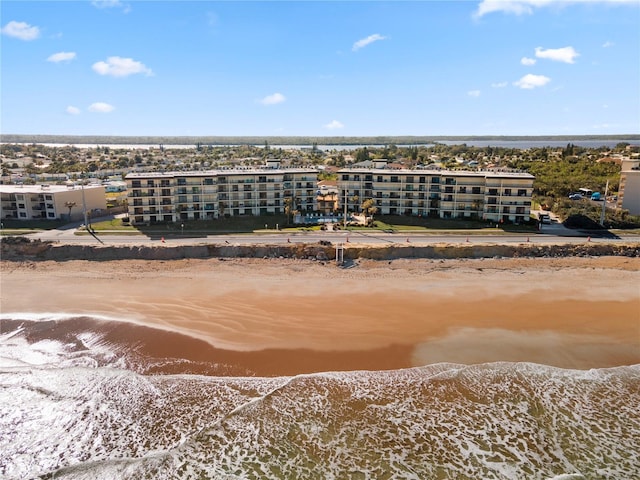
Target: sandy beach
293	316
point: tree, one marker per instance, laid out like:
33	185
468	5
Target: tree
362	154
354	201
288	208
369	208
69	205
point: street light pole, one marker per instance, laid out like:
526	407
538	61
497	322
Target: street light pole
84	206
345	207
604	204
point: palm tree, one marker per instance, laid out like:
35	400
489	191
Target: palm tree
69	205
369	208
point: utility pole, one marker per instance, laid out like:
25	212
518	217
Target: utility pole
604	204
84	205
345	207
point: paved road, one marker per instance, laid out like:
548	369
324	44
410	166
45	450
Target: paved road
550	234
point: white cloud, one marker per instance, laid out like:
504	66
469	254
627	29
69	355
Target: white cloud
71	110
522	7
564	54
607	44
530	81
473	93
120	67
363	42
499	84
101	107
273	99
21	30
528	61
334	125
126	8
61	57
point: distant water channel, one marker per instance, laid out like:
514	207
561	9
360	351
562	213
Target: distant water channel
517	144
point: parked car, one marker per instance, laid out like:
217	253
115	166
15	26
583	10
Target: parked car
576	196
596	197
544	218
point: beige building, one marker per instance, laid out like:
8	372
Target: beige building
51	202
201	195
629	189
489	195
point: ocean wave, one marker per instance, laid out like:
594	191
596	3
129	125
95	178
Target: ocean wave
81	406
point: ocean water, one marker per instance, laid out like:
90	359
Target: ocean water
77	402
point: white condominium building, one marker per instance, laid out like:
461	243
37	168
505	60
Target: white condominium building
498	196
202	195
50	202
629	189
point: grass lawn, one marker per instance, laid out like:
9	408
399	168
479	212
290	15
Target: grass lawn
267	224
402	223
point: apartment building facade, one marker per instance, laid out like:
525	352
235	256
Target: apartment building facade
203	195
629	188
50	202
500	196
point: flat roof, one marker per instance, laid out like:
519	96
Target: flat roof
452	173
220	172
44	188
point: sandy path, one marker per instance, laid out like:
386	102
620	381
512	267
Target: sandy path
574	312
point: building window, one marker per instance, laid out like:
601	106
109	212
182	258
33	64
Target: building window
51	215
23	215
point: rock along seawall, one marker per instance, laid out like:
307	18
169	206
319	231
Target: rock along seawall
21	249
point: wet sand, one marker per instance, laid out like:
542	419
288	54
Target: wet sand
281	317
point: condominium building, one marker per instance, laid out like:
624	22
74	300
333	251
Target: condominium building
489	195
202	195
629	189
51	202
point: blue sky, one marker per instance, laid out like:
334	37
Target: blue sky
492	67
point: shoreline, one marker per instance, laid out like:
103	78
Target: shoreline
283	316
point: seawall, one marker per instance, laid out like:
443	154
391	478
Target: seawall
21	249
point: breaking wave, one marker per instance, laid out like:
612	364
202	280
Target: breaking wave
80	407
